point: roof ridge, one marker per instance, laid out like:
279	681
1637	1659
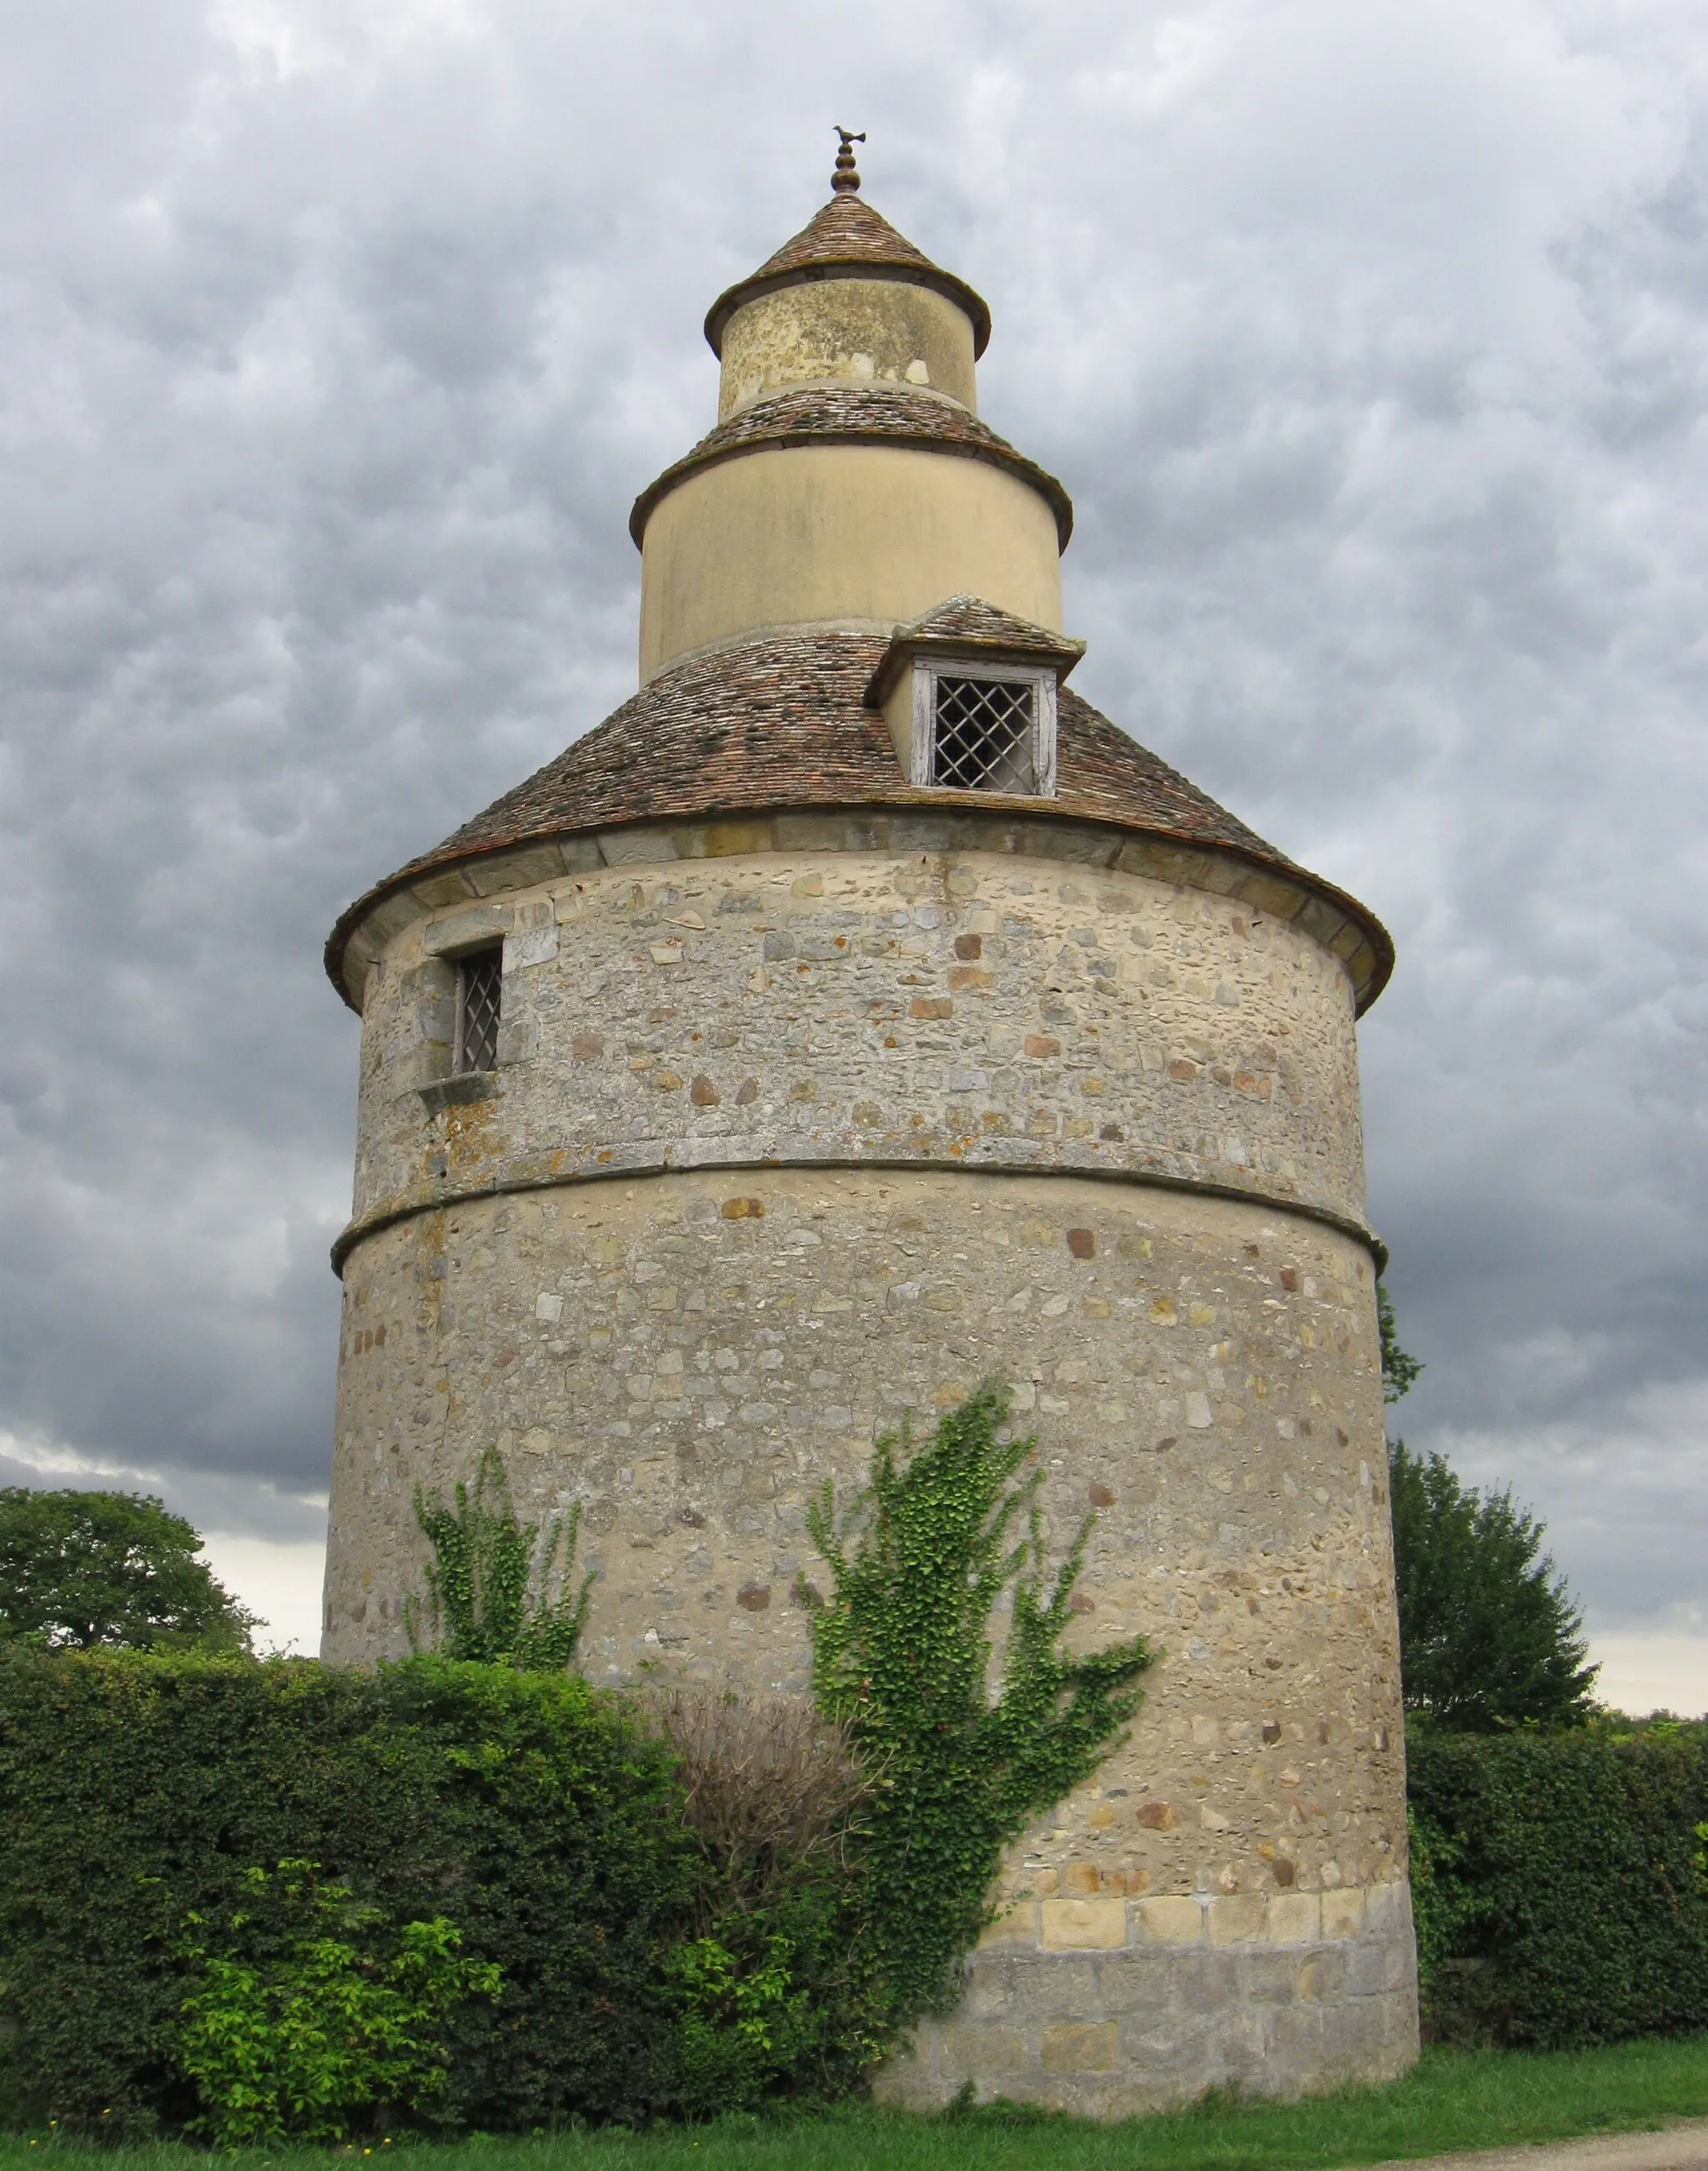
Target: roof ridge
966	622
964	615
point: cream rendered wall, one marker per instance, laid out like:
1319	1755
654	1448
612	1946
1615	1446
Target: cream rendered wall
862	331
868	535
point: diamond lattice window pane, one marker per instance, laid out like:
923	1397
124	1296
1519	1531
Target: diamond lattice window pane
984	736
482	980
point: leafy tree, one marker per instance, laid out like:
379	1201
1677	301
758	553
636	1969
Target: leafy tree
85	1570
1489	1637
901	1660
482	1570
1398	1371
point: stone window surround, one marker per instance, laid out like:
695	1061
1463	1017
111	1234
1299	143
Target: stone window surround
448	1083
942	663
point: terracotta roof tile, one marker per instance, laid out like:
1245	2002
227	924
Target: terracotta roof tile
855	415
849	236
846	230
780	723
969	621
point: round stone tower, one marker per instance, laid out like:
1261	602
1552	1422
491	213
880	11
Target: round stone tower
854	1014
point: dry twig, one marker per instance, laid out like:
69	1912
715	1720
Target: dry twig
768	1781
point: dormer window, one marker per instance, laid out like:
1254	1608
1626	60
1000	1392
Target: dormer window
479	985
969	694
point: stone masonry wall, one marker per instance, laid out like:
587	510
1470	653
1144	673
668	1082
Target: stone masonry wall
691	1355
1274	1997
780	1149
970	1009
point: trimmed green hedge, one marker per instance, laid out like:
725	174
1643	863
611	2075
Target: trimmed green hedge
529	1808
1560	1884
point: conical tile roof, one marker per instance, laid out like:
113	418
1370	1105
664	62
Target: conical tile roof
779	724
855	415
848	239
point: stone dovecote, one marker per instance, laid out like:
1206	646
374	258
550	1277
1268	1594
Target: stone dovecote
820	1090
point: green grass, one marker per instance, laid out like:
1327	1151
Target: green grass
1453	2100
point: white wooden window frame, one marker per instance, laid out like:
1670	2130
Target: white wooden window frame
927	670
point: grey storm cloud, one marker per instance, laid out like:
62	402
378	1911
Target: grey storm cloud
1373	344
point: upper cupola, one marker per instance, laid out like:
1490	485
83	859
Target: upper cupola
849	482
848	300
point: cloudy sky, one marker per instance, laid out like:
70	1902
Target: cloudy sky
1371	341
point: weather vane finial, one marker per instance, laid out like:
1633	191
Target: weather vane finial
845	181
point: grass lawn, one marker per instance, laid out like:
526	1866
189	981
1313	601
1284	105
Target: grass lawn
1454	2099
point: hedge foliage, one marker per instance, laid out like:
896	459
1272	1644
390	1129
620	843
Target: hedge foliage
1561	1883
535	1814
651	1933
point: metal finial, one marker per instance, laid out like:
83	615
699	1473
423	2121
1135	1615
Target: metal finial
845	181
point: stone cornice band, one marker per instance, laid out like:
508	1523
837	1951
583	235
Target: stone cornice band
920	822
669	1161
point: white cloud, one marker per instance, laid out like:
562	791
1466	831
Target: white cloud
242	1507
1624	1498
280	1584
1656	1669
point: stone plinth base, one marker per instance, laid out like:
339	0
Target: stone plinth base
1107	2007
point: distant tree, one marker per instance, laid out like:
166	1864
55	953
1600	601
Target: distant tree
1399	1371
1489	1637
83	1571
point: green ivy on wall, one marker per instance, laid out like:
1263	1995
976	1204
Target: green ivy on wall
483	1568
857	1941
903	1657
